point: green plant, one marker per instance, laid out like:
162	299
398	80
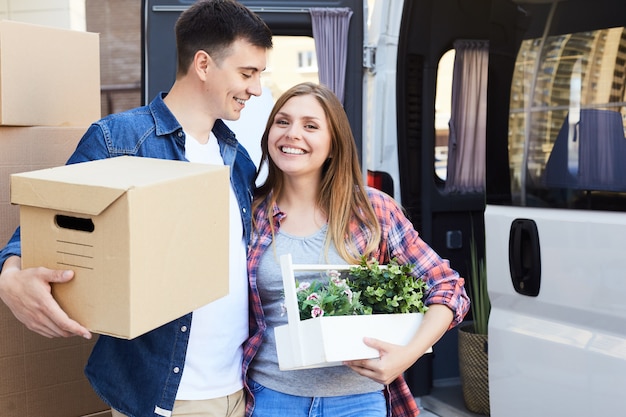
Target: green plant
481	305
368	288
388	290
335	298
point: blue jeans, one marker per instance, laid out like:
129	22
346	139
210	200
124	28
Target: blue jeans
270	403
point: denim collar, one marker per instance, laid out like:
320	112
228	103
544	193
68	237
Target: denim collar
166	123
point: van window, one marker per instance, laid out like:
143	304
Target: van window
443	103
567	117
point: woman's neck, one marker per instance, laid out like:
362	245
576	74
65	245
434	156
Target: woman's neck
299	203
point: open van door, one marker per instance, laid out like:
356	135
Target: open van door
555	251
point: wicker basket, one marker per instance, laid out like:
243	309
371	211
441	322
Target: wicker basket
474	369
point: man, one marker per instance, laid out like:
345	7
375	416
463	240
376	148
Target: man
172	371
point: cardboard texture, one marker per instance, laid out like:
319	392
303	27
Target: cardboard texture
147	238
327	341
48	76
39	377
28	149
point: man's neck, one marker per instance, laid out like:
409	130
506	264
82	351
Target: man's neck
189	113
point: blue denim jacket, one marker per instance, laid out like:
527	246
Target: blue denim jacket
140	377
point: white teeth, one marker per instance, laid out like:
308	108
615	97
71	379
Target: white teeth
240	101
292	151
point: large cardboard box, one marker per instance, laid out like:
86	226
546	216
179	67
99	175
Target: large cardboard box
147	238
48	76
328	341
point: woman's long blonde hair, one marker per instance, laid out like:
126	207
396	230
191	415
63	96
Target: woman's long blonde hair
341	196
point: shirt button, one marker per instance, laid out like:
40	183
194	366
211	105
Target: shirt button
243	209
176	370
180	134
183	329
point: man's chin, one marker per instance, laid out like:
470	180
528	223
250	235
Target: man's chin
233	116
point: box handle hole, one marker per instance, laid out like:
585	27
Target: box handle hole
74	223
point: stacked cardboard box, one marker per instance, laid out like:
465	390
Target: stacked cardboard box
48	76
45	107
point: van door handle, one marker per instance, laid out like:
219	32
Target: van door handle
525	257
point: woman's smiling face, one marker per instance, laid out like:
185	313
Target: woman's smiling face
299	139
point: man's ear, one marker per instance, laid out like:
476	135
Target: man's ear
202	61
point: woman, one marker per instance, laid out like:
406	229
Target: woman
314	205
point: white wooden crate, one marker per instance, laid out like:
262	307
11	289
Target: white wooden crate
327	341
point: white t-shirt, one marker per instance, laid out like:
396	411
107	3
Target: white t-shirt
214	355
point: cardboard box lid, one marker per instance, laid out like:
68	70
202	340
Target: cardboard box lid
91	187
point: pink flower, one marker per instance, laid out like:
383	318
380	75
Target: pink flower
303	286
313	296
317	312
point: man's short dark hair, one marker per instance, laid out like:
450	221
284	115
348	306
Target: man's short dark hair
213	25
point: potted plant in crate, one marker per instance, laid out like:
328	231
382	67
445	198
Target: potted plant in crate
328	318
473	339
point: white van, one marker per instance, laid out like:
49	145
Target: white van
521	147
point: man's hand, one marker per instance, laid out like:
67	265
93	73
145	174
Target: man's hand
28	295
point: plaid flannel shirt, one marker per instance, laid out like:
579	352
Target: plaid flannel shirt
399	240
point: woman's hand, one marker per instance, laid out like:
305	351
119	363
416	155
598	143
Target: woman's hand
393	361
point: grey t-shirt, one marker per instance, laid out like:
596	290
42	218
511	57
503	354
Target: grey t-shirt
318	382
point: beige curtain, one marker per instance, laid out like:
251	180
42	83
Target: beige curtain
468	117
